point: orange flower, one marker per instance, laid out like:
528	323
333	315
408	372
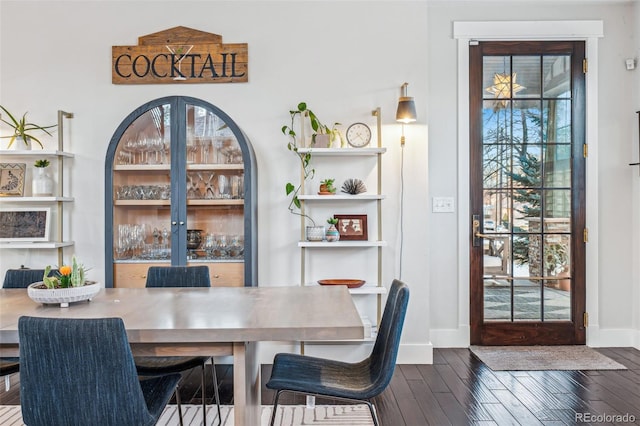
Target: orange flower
65	270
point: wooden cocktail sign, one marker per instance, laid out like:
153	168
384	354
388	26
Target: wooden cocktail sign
180	55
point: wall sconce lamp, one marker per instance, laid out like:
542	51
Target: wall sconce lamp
406	112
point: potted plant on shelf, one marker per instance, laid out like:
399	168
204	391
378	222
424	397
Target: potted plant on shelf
67	285
332	233
327	188
22	131
307	170
42	183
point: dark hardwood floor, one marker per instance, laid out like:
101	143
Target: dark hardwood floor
457	389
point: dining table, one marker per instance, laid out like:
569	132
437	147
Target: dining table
216	321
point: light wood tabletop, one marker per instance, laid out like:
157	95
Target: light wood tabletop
206	321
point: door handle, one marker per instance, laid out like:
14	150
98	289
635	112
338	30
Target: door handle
477	235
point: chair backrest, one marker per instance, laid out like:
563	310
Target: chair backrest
21	278
382	360
178	276
78	372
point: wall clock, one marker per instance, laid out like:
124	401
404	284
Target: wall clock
358	135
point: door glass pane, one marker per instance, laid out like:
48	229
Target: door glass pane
526	188
527	116
496	127
526	77
526	301
557	76
215	188
142	188
497	300
557	121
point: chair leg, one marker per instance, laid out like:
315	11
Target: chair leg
178	404
214	377
204	397
7	383
374	416
275	407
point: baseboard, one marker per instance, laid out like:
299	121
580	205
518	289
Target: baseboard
451	337
415	354
612	337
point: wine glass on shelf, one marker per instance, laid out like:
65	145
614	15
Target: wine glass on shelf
193	192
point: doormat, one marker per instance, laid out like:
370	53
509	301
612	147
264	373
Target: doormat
515	358
290	415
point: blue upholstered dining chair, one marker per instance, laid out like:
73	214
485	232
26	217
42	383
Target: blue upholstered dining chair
21	278
100	385
180	276
17	278
360	381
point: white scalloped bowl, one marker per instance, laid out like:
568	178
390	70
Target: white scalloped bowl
63	296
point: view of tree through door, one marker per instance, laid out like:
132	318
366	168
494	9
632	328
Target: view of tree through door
527	193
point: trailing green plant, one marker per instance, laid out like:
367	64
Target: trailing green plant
304	157
41	163
23	129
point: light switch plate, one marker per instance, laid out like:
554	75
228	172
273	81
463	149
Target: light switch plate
443	205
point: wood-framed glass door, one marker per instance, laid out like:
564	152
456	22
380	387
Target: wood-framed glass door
527	144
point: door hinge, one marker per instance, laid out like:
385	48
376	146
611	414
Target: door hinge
585	150
585	319
585	66
585	235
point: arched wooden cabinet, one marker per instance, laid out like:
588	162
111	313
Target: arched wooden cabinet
180	182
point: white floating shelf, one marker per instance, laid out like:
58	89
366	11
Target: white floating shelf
36	245
35	199
343	151
34	153
342	244
342	197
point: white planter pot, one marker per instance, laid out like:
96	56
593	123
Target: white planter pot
42	183
19	144
315	233
63	296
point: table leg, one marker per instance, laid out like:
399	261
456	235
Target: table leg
246	384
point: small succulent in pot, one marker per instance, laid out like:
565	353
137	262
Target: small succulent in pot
41	163
332	221
23	129
67	276
326	186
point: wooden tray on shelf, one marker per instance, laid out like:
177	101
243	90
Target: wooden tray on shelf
348	282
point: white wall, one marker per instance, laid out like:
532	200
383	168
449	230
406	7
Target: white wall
298	51
311	51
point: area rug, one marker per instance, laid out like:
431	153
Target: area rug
501	358
290	415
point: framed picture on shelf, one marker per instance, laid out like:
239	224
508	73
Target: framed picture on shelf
25	224
352	227
12	179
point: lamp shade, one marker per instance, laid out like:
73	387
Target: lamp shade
406	110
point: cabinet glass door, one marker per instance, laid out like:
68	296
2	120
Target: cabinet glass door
177	193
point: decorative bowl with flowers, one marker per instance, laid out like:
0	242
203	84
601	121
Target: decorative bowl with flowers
67	285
